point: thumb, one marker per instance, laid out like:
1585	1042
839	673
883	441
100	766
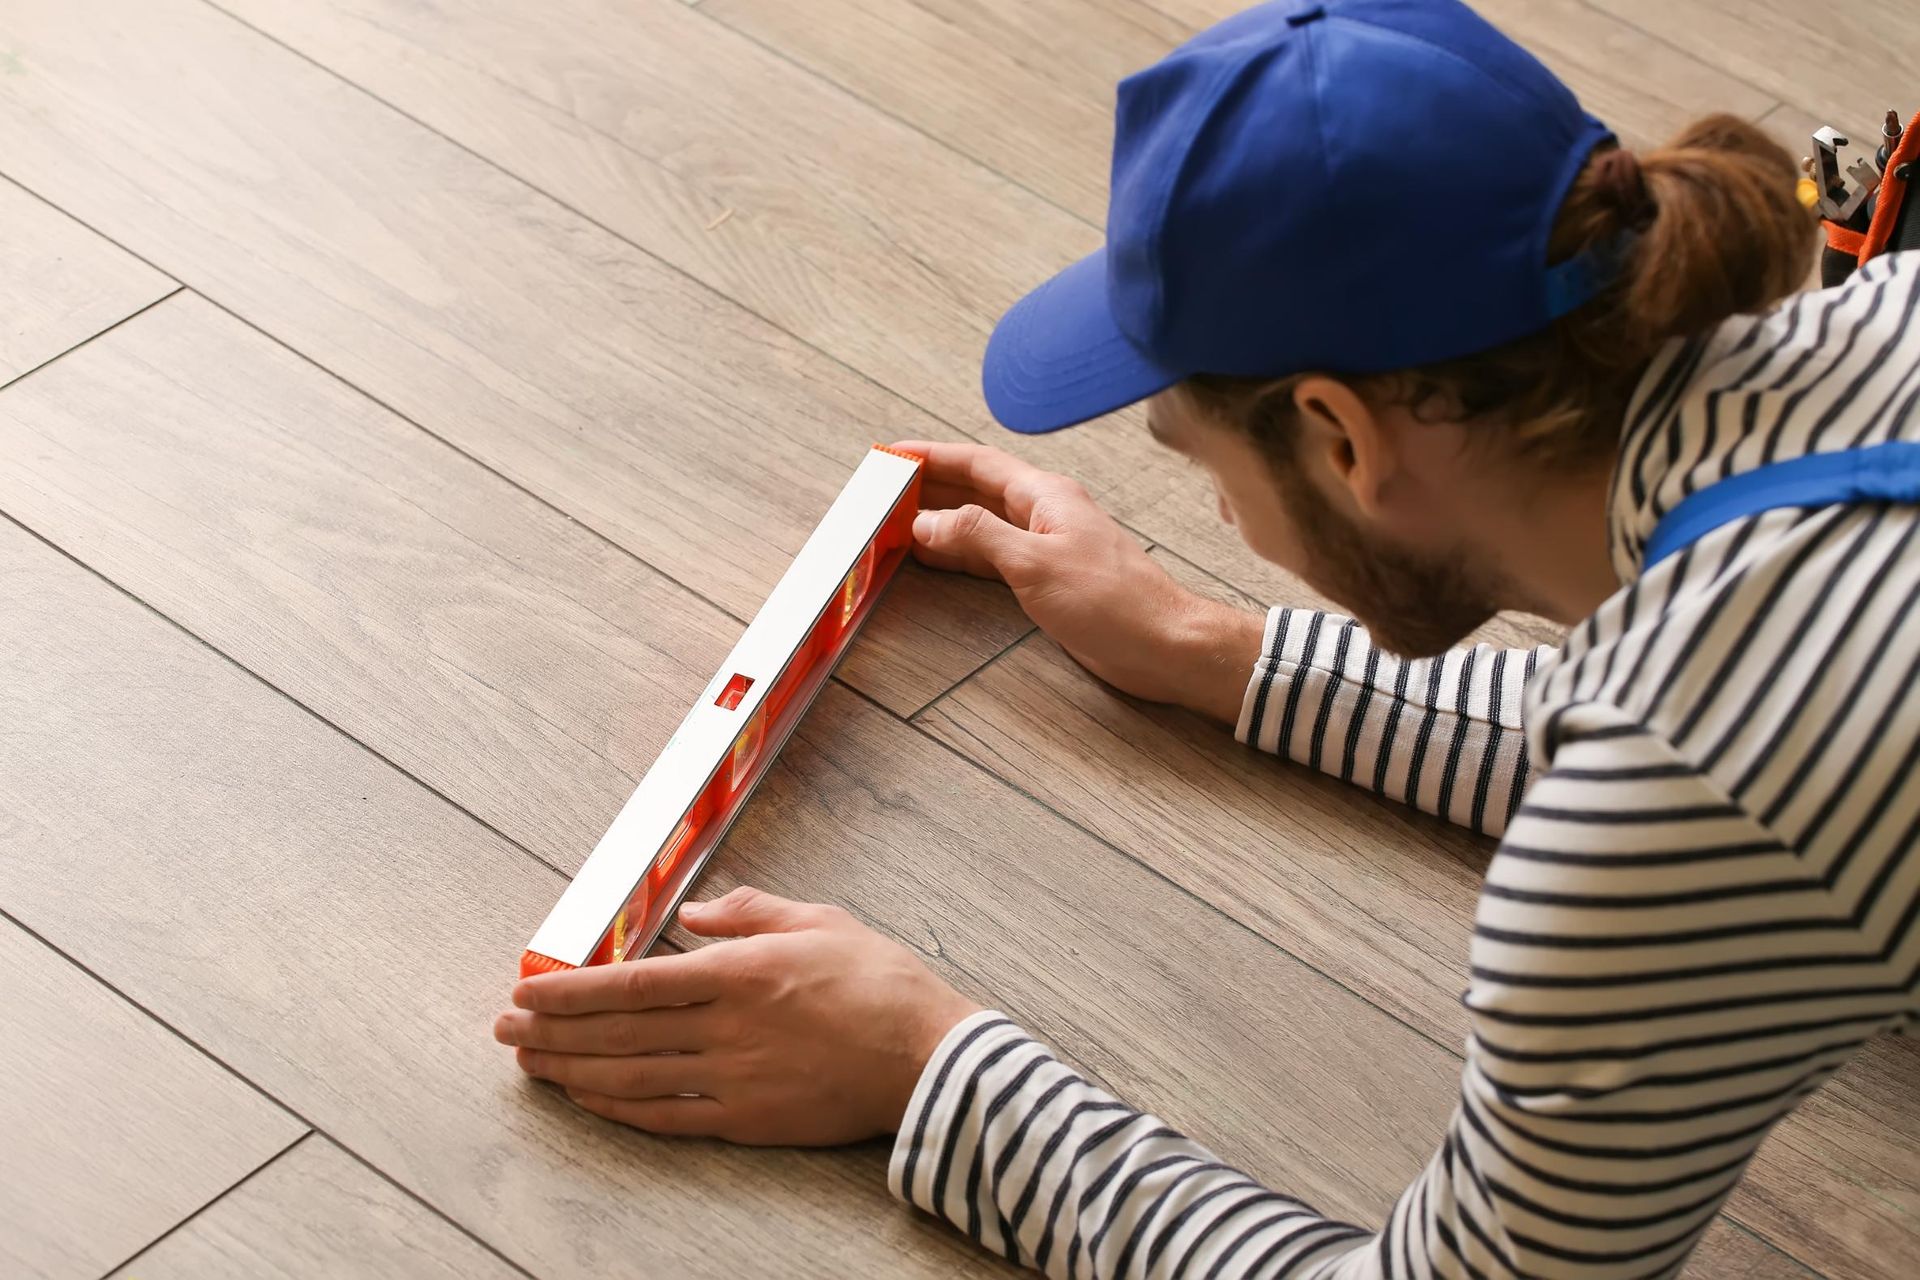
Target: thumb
741	914
970	539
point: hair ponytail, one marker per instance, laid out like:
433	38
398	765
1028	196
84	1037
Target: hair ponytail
1718	232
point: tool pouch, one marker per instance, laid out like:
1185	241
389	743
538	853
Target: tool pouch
1891	218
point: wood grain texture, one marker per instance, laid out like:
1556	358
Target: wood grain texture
988	77
273	828
699	437
1791	126
1266	1061
1846	63
861	235
1026	86
1382	899
113	1128
1230	1044
1376	895
1839	1183
525	667
840	224
1643	86
343	938
63	284
1731	1252
315	1211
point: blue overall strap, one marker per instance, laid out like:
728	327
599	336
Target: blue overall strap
1877	473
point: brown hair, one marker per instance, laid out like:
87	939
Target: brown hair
1717	231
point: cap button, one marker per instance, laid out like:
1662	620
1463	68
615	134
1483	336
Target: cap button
1301	17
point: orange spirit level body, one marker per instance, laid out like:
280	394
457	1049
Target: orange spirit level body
626	893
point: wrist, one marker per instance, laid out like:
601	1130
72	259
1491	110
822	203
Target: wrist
1214	651
931	1029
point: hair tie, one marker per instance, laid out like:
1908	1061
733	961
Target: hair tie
1618	181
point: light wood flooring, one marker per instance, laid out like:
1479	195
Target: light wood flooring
403	403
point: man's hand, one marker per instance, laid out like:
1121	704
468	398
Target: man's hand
1082	579
809	1029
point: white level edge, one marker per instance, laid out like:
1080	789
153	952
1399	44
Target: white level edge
699	746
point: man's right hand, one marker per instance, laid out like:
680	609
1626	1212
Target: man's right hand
1082	579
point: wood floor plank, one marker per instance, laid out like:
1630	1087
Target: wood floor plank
63	283
527	668
701	438
344	938
1208	1036
349	591
1382	899
1840	1182
317	1212
1791	126
1644	87
1378	896
271	827
999	80
840	224
1023	86
858	233
1845	63
1731	1252
1026	86
113	1127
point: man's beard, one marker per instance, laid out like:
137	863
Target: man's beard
1412	604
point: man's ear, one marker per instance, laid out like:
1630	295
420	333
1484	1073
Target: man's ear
1342	436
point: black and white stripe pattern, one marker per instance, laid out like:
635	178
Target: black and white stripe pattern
1442	734
1703	904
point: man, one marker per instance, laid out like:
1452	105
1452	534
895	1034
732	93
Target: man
1444	349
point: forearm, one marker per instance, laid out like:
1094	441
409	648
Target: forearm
1443	734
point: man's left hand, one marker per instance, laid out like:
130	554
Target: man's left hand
807	1028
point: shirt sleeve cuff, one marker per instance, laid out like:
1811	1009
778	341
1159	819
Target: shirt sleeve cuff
924	1129
1263	674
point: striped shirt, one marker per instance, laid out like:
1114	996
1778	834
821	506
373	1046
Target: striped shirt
1702	905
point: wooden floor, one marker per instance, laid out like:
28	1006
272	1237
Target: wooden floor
406	401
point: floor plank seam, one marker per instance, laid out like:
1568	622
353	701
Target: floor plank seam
131	315
1454	1053
913	717
436	436
242	667
851	369
313	1128
481	463
546	503
885	113
1765	1243
1155	872
228	1190
1688	54
951	689
1243	595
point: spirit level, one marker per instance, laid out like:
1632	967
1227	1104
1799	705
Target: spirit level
626	893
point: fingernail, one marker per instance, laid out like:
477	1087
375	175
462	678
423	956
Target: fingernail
923	526
692	908
503	1029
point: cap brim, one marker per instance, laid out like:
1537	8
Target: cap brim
1058	358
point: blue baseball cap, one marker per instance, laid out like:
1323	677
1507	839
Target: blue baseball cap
1351	186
